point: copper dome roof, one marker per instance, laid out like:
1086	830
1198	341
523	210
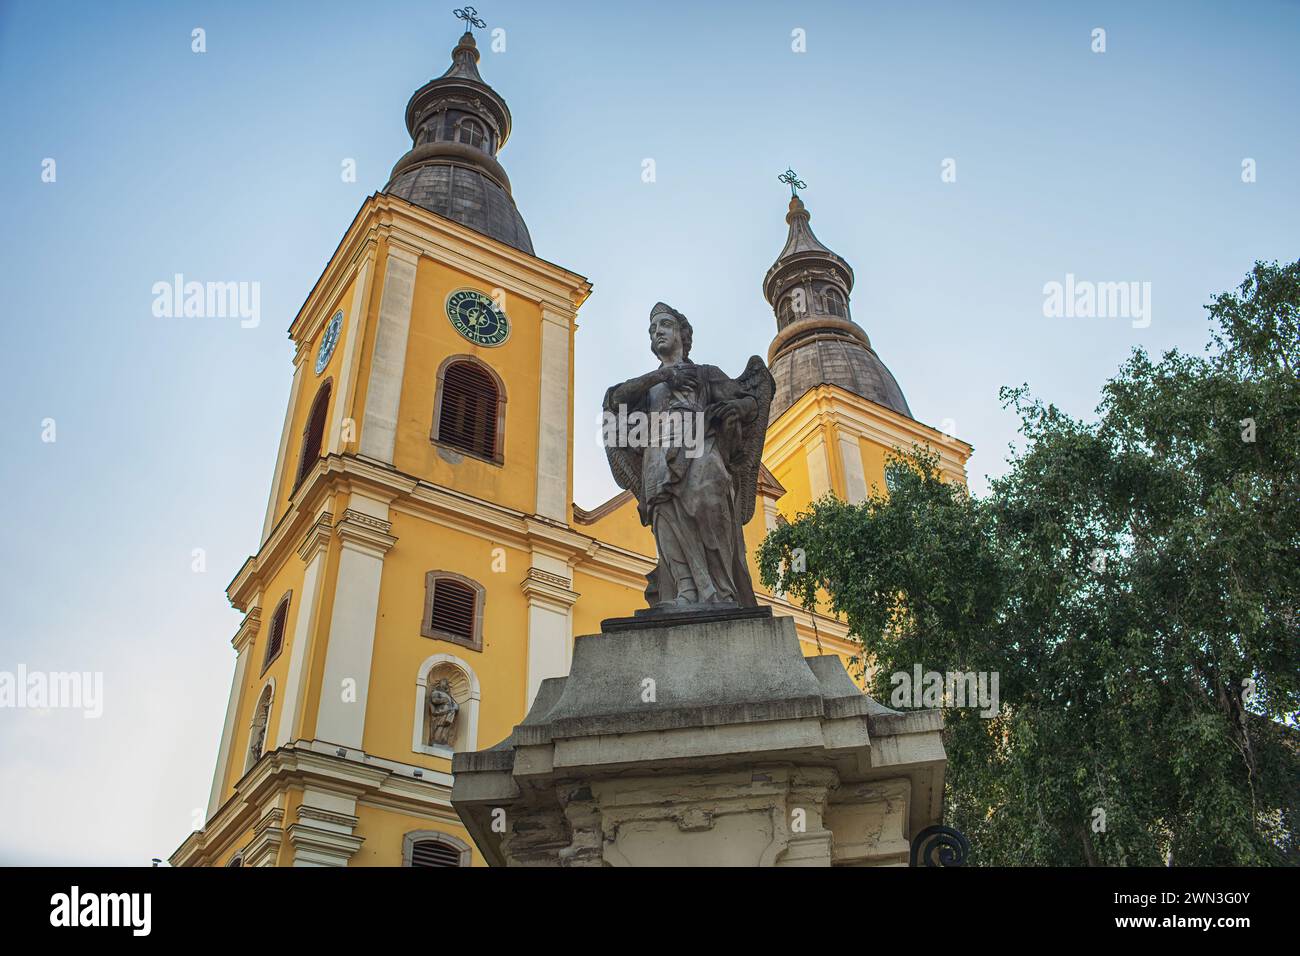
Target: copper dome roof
817	341
458	124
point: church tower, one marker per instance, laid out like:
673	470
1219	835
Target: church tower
458	124
838	412
415	579
422	567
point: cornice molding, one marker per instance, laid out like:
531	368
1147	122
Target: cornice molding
306	812
246	637
329	301
268	836
451	243
322	846
542	586
365	533
399	246
333	277
240	587
367	248
303	764
583	516
565	318
831	403
420	232
317	537
443	506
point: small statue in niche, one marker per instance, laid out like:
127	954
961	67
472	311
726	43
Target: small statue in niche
257	738
443	711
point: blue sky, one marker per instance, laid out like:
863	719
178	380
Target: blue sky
225	166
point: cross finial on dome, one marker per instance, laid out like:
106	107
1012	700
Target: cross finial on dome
471	18
791	179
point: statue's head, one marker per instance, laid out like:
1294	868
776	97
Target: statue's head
668	329
443	684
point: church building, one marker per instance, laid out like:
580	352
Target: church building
422	566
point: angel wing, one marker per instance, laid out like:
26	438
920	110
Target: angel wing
757	382
624	463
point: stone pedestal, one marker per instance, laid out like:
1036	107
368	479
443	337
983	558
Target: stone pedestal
703	742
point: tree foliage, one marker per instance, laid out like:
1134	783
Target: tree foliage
1134	581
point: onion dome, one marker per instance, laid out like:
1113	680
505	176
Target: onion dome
817	342
458	124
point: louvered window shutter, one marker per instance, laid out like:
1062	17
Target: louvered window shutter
468	416
453	608
434	853
313	437
275	636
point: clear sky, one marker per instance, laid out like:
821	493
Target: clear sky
1122	166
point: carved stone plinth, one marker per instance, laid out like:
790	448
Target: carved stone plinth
707	743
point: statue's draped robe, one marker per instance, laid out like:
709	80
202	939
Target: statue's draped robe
692	503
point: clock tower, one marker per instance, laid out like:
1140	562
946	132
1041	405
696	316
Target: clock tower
417	556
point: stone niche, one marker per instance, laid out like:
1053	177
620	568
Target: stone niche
703	743
460	689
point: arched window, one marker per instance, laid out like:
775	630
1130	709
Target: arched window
453	609
434	848
470	415
433	128
785	311
313	432
470	132
799	301
275	633
261	722
834	302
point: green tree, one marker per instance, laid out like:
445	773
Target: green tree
1135	584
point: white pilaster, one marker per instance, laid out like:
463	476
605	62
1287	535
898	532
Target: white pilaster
855	479
770	514
384	392
268	835
819	475
553	418
244	641
550	621
323	832
312	549
364	538
351	355
278	477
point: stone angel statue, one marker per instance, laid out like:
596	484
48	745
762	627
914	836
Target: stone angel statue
686	440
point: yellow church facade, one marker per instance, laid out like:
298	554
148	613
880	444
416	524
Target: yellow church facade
420	534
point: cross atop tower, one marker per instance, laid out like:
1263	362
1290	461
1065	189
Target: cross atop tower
471	18
793	181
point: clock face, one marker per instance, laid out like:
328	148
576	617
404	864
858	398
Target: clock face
328	341
476	318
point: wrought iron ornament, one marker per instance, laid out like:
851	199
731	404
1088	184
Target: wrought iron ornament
793	181
470	16
940	846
